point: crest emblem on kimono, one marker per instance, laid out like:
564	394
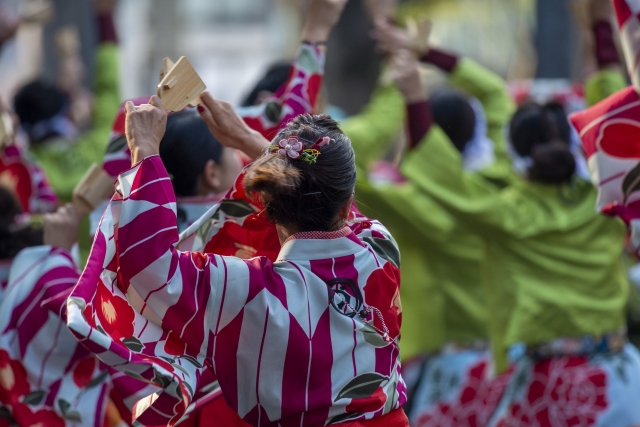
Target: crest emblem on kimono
345	296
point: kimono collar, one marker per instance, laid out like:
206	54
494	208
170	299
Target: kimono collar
311	245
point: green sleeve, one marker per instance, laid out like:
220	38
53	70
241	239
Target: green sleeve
107	99
373	129
491	90
602	84
65	163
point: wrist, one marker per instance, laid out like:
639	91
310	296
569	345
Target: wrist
413	93
315	35
254	144
139	153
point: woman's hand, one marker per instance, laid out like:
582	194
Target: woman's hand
228	128
405	71
392	38
61	227
144	127
322	16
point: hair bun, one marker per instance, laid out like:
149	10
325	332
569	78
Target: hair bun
553	163
272	175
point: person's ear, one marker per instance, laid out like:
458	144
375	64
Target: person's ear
345	210
211	177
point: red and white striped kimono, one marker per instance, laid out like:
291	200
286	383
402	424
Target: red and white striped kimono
299	341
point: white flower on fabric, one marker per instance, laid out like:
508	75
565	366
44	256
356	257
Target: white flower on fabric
291	147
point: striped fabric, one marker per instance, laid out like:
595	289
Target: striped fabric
48	379
628	17
299	341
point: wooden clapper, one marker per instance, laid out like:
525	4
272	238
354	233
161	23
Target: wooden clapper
180	85
6	130
36	11
95	187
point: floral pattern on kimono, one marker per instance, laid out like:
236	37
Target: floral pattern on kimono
296	341
46	377
26	180
576	391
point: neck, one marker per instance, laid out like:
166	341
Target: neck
284	233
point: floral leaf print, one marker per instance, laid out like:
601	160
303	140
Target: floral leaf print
117	145
385	249
371	336
364	385
133	344
161	380
191	360
34	398
236	208
136	376
98	380
73	416
344	417
64	406
393	399
631	182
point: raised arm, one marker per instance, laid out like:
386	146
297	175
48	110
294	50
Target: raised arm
299	94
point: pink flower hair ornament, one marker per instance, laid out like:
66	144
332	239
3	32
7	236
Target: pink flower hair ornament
293	148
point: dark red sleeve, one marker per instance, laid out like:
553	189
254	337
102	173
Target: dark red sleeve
444	60
106	29
420	120
606	51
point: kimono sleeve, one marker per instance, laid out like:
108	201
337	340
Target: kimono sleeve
170	282
372	131
297	96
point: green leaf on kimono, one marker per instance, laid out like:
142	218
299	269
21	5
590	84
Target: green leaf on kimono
161	380
191	360
97	380
362	386
135	375
344	417
236	208
308	62
73	416
384	248
5	414
133	344
392	397
372	336
117	144
631	182
273	110
34	398
181	369
101	330
186	384
168	359
64	406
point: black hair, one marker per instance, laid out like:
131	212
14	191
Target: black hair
14	238
276	75
38	101
186	148
543	133
454	114
307	197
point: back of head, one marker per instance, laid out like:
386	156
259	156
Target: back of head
185	149
38	101
301	195
543	133
275	77
454	114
